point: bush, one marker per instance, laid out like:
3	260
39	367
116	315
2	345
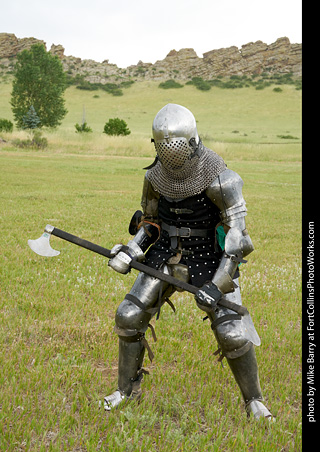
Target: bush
216	82
229	85
126	83
6	125
287	137
83	128
200	84
37	141
170	84
116	126
111	88
87	86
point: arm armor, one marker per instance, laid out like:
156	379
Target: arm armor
226	193
143	225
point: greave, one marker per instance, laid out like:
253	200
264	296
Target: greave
131	356
245	371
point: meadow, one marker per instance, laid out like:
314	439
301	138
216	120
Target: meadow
58	350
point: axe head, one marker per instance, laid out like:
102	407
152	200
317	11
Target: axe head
42	246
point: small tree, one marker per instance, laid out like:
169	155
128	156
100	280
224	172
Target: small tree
116	126
31	122
39	81
83	128
31	119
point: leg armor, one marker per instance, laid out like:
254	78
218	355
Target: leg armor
234	333
132	320
236	337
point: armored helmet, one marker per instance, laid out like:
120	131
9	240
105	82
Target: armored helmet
175	136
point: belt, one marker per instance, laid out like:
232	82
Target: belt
183	232
173	231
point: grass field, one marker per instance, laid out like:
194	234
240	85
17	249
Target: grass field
58	350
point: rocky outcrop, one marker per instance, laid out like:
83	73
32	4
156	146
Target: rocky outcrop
10	45
57	50
252	58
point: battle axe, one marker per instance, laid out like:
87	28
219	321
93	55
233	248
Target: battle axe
42	247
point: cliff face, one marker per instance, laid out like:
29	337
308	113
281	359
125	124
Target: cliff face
10	45
257	57
252	58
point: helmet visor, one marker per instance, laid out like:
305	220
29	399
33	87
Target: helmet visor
173	152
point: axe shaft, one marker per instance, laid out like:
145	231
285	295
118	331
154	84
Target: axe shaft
143	268
81	242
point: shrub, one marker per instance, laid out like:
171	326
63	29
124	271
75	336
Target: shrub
126	83
116	126
83	128
298	84
87	86
216	82
200	84
37	141
229	85
170	84
111	88
6	125
287	137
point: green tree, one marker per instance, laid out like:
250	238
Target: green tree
116	126
39	81
31	120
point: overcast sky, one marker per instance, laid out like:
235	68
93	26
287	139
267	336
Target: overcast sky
126	31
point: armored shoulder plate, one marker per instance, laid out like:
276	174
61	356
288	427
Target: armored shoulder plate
226	193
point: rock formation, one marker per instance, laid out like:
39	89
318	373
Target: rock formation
252	58
10	45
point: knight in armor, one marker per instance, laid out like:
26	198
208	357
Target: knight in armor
192	226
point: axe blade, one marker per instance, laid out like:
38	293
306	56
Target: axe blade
42	246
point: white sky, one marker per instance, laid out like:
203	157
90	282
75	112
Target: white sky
126	31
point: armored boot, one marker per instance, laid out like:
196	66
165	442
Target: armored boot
130	374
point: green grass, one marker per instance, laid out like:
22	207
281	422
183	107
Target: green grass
58	350
255	116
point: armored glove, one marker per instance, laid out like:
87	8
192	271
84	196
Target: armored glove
123	255
208	296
